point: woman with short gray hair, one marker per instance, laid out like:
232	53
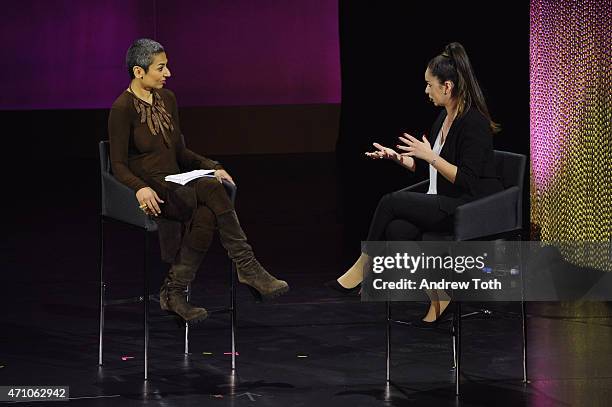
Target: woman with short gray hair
146	145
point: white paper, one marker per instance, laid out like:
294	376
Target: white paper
185	177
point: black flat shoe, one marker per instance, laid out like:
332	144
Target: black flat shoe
441	318
335	285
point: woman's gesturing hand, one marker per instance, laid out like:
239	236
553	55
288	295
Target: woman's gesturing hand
416	148
390	154
148	200
383	152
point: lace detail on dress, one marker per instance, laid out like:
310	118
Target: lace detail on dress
156	116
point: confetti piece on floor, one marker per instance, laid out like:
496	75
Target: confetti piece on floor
206	353
302	356
1	366
218	396
229	353
127	357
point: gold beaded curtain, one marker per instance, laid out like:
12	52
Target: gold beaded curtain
571	135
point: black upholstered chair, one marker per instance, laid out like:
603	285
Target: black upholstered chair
119	204
497	216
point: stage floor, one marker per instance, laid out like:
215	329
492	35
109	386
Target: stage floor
312	347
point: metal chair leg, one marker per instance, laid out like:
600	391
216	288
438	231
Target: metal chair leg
186	324
101	323
454	340
388	337
523	307
457	322
524	318
145	301
233	314
102	293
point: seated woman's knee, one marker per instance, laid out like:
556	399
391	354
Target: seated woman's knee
207	182
207	186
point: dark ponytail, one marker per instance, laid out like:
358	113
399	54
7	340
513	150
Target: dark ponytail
454	65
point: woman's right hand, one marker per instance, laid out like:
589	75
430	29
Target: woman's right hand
390	154
383	152
149	201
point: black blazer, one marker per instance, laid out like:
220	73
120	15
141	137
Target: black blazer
469	146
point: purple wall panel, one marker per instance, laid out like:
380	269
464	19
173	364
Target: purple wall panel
244	52
67	54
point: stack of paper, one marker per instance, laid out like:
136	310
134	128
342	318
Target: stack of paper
185	177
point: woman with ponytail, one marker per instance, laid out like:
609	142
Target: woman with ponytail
460	164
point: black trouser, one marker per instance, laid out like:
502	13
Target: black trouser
406	215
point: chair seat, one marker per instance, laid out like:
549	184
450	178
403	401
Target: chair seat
438	236
150	225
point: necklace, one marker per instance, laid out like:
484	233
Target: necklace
155	115
134	93
446	126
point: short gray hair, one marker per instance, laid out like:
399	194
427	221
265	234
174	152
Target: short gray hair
141	54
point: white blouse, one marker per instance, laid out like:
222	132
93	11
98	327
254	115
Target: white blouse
433	173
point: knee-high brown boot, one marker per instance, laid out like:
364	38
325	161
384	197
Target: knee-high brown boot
250	272
185	266
172	296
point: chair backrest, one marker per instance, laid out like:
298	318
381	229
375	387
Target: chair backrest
511	170
104	156
118	202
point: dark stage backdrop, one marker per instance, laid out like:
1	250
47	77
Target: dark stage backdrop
385	47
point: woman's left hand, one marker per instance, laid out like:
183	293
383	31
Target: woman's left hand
416	148
223	175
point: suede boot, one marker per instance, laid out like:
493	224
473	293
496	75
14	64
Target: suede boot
173	292
163	295
262	284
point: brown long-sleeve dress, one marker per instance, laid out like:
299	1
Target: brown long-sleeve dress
145	146
145	140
